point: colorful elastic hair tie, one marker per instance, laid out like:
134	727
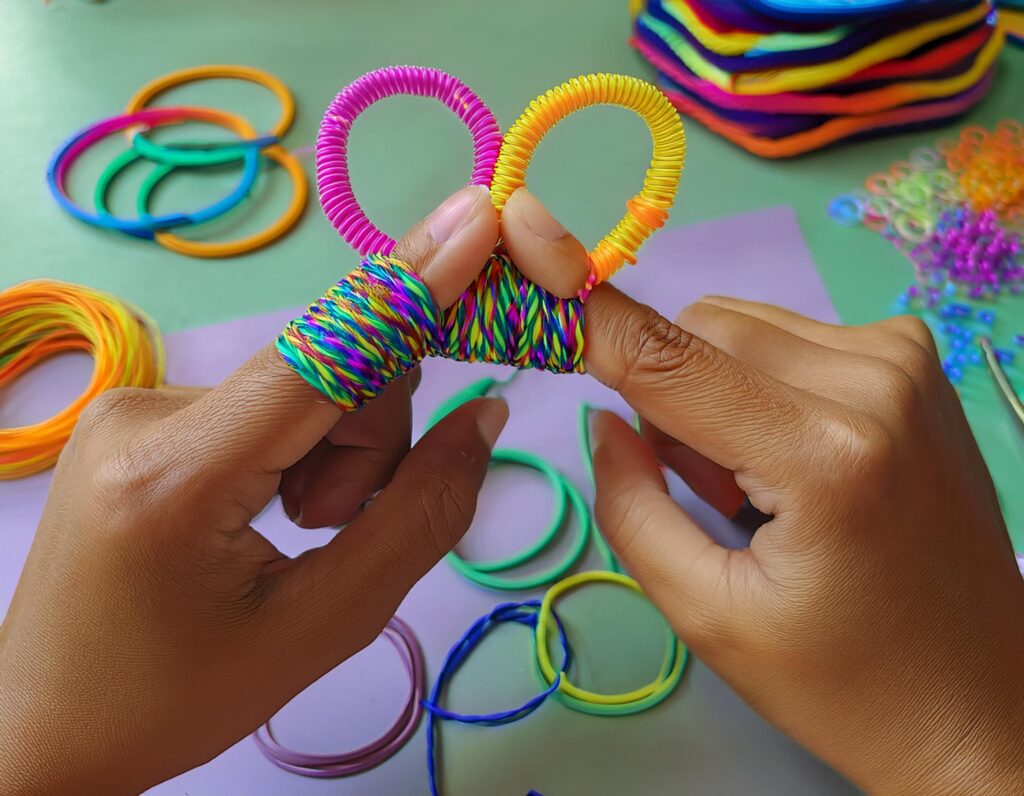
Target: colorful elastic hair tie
344	764
210	154
336	195
380	320
646	211
41	318
585	701
71	150
251	165
217	249
524	613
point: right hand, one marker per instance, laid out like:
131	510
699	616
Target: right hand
878	615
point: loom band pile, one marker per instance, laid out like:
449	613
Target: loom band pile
130	156
585	701
211	153
42	318
647	210
372	754
524	613
289	217
333	179
833	130
72	149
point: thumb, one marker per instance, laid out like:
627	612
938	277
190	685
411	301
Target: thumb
366	570
264	417
684	572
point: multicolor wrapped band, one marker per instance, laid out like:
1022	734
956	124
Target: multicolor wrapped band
380	321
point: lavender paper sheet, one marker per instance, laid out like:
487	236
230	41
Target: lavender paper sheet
701	740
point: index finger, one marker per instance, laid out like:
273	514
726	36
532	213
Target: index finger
265	417
731	413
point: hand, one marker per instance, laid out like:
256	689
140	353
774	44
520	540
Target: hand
878	616
152	626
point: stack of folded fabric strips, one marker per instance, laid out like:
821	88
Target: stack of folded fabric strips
784	77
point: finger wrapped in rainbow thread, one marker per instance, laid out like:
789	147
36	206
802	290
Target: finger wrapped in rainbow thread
380	321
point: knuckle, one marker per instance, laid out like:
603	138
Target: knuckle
656	347
865	455
128	477
910	327
107	408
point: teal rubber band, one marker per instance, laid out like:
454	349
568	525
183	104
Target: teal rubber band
567	497
158	173
207	154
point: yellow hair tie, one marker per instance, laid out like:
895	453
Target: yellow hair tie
41	318
646	211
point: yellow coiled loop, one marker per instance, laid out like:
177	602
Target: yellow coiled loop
646	211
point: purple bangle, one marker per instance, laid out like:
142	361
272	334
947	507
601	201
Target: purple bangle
344	764
332	174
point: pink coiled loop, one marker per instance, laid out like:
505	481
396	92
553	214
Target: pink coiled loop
332	173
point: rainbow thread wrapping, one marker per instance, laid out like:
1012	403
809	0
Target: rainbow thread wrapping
380	320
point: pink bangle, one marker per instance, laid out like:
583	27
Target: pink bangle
336	196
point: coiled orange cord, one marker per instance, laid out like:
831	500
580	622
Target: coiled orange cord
646	211
41	318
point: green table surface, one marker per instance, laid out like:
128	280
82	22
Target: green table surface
68	63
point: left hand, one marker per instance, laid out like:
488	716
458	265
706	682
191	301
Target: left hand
153	627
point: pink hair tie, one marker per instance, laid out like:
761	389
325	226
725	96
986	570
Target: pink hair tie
336	196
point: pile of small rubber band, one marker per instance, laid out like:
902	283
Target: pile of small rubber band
137	119
956	210
784	77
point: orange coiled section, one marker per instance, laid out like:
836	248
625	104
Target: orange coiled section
41	318
646	211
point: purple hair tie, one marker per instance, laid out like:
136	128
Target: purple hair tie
332	174
344	764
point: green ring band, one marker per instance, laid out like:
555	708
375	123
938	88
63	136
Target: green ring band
482	574
207	154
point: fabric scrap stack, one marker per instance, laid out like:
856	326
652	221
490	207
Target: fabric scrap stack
784	77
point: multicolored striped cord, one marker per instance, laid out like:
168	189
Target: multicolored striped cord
380	321
41	318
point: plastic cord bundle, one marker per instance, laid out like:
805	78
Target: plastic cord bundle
42	318
344	764
778	88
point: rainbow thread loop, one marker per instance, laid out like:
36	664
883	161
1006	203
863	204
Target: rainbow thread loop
380	321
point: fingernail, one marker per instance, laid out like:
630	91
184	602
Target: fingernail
597	423
453	214
540	222
491	419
